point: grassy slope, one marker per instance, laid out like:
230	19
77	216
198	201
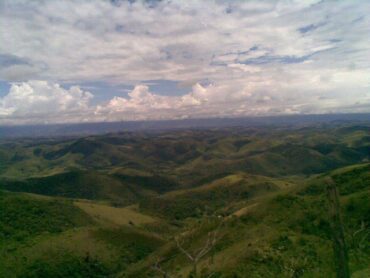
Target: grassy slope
282	234
220	193
85	185
24	218
107	215
46	237
273	234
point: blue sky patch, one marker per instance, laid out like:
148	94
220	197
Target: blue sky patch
166	87
102	91
4	88
7	60
267	59
310	27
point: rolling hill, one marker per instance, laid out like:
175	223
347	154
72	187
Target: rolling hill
129	204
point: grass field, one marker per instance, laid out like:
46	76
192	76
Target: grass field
108	215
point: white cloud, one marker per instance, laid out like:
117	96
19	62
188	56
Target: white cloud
44	102
40	101
142	104
259	57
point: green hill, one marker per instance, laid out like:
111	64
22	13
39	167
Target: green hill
282	234
114	205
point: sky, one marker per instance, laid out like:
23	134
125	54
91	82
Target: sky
95	60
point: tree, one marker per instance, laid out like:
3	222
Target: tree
157	267
196	255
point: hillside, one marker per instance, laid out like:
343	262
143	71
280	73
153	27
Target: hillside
130	204
286	234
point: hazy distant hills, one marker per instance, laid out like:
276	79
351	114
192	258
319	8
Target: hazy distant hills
108	127
191	157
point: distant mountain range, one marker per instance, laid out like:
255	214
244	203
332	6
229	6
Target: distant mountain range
77	129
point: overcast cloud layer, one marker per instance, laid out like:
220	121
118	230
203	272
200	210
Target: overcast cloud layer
228	58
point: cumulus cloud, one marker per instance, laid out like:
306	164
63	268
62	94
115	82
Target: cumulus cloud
142	104
40	101
244	57
211	101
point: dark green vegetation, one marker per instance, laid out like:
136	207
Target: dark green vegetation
112	205
22	216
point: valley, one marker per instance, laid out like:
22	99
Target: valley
138	203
